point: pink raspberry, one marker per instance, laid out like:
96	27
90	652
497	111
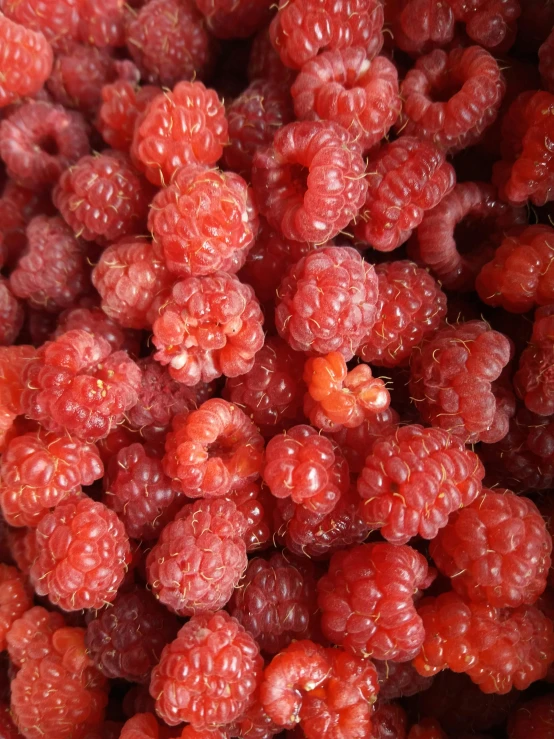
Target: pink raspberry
30	637
58	23
11	314
90	318
122	103
344	86
209	326
102	23
488	22
26	61
228	19
532	718
534	379
419	26
310	183
15	599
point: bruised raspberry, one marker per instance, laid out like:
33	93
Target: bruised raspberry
26	61
30	637
13	361
534	379
11	314
15	599
122	102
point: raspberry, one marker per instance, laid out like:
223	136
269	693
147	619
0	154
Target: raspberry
488	22
14	599
255	504
184	126
254	724
199	558
496	551
23	548
82	555
310	183
8	730
168	42
94	321
39	140
7	429
52	272
388	721
419	26
453	381
143	726
208	675
102	197
40	470
204	221
356	443
11	314
344	86
102	23
304	28
534	380
126	640
337	397
498	649
253	118
131	277
30	637
26	61
427	728
13	360
77	384
405	178
276	602
534	718
265	63
271	392
228	19
546	62
122	103
361	595
399	680
209	326
57	22
17	207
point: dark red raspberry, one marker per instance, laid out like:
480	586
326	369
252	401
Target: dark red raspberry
17	207
186	125
26	61
229	19
52	272
427	728
40	470
304	28
190	682
411	306
405	178
499	649
30	637
344	86
209	326
11	314
399	680
450	98
265	63
143	726
362	594
388	721
15	599
356	443
102	23
122	103
94	321
488	22
254	723
419	26
204	221
534	380
454	384
59	23
103	198
534	718
76	383
546	62
310	183
256	504
83	552
168	42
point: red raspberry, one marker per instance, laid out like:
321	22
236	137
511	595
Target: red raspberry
427	728
362	594
406	178
346	87
102	197
122	103
399	680
17	207
209	674
253	118
388	721
40	470
144	726
26	61
210	326
7	429
534	380
77	384
94	321
498	649
30	637
83	552
304	28
228	19
310	183
271	392
453	381
204	221
102	23
11	314
199	558
59	22
534	718
489	23
265	63
255	503
337	397
419	26
254	724
23	548
168	42
52	272
184	126
496	551
14	599
8	730
356	443
546	62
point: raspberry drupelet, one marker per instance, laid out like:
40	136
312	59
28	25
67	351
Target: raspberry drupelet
186	125
345	86
455	381
143	726
102	23
15	599
17	206
496	551
419	26
534	379
327	302
215	648
26	61
102	197
388	721
208	327
405	178
88	317
488	22
471	84
310	183
40	470
204	221
356	443
533	718
11	314
30	637
59	23
256	505
122	102
23	548
399	680
77	384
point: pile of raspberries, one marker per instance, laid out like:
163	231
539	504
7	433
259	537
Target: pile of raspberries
276	369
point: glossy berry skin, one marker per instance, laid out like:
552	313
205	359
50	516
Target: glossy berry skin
102	23
204	221
533	718
11	314
122	103
388	721
40	470
217	648
419	26
356	443
201	336
344	86
405	178
76	383
366	601
26	61
411	305
186	125
82	554
533	380
488	22
30	637
453	381
143	726
498	649
58	23
15	599
255	504
316	202
199	557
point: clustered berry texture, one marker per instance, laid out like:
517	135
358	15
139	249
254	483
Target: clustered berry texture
26	61
15	599
122	103
534	381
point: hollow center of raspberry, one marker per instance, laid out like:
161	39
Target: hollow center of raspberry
443	92
299	176
471	233
222	448
48	145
